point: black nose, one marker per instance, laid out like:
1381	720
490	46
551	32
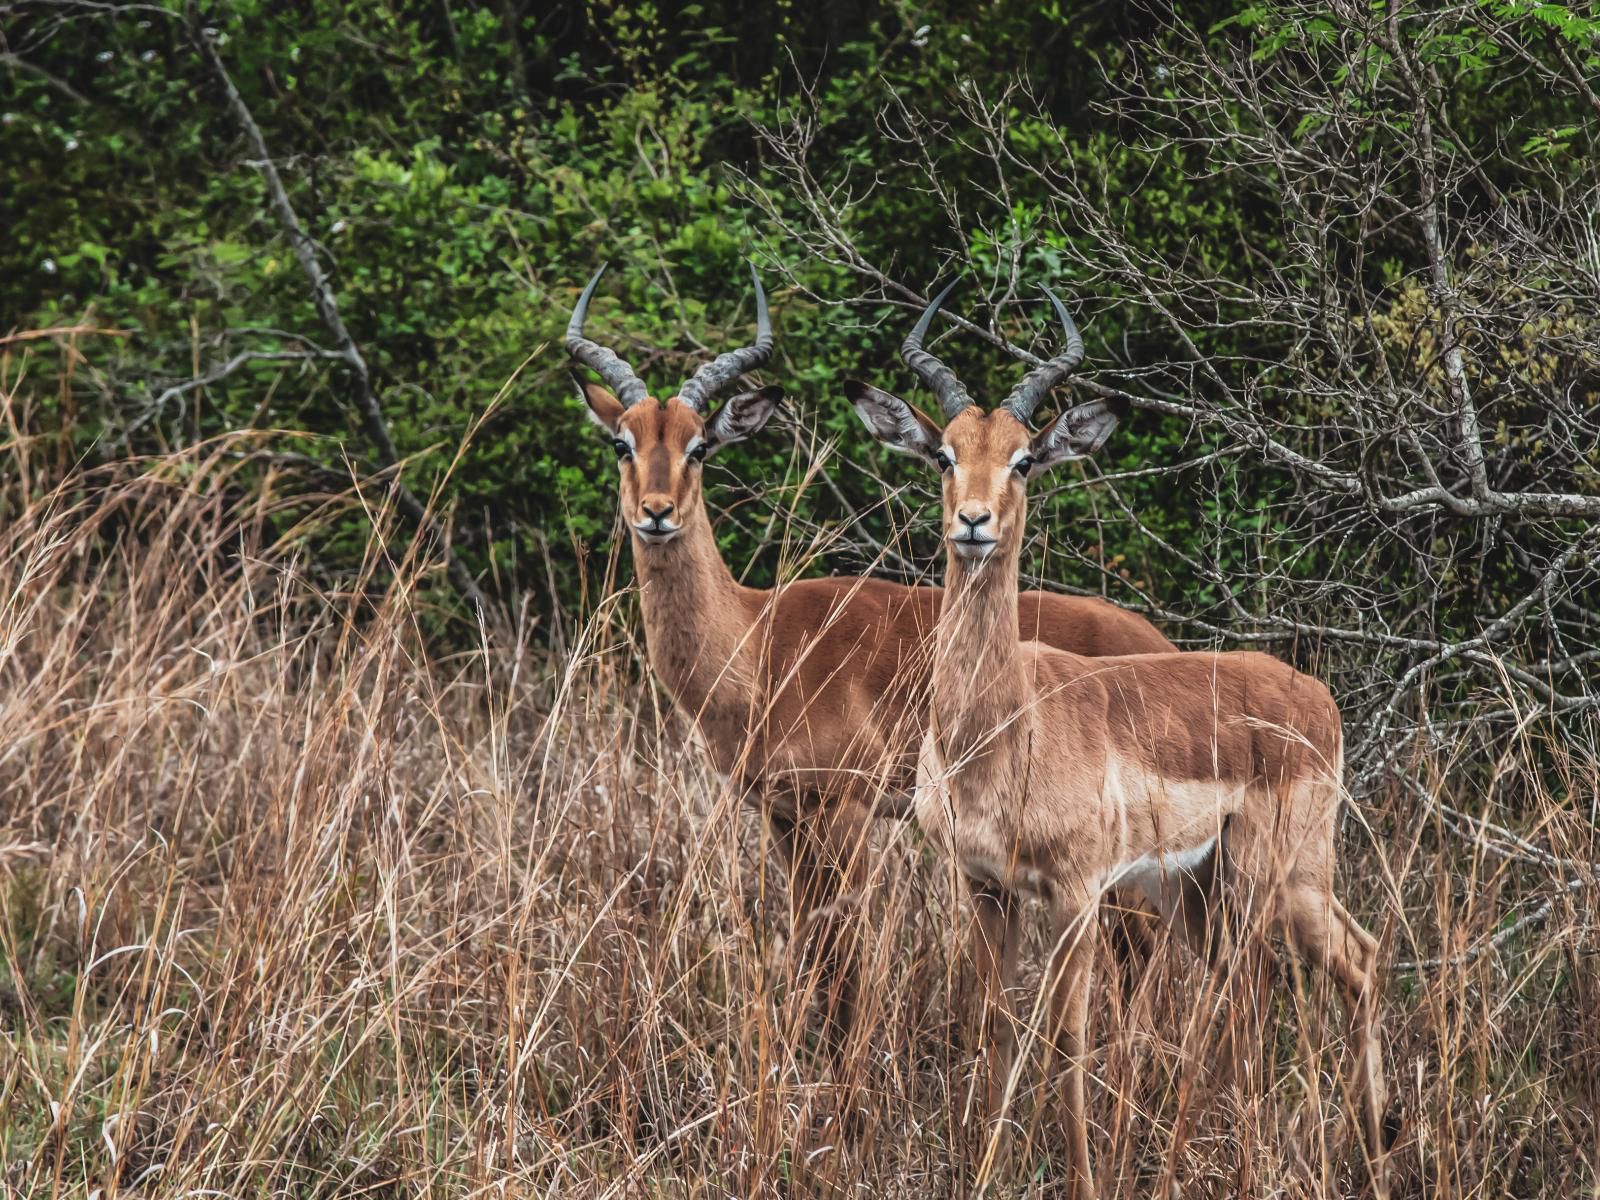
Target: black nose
974	522
656	515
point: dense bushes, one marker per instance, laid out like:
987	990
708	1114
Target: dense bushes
460	188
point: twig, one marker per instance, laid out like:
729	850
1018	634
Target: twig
1536	917
17	63
243	358
29	335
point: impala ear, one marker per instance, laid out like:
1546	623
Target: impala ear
605	410
1078	432
742	416
893	422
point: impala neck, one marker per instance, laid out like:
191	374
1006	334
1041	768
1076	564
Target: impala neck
978	681
696	621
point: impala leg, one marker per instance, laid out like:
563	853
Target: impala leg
997	916
1323	931
825	860
1220	911
1132	927
1069	980
1240	961
1244	1046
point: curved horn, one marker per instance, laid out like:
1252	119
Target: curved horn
715	376
941	380
1036	384
618	375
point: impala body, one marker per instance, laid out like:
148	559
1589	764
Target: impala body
808	697
1057	776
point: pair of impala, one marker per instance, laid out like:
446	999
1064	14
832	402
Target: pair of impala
1061	748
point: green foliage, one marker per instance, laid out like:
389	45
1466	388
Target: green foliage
463	169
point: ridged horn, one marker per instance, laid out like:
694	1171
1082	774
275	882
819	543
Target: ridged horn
603	361
1036	384
717	375
940	379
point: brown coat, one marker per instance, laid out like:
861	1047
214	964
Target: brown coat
819	685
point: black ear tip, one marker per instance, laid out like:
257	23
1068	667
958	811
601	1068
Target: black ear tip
1120	407
772	392
578	381
855	390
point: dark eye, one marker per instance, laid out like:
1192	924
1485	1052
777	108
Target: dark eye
1022	466
622	448
698	454
943	460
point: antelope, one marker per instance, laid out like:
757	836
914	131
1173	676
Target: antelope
1053	775
806	697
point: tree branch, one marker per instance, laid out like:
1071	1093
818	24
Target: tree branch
366	403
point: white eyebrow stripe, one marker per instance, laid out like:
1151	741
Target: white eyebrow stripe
693	442
627	436
948	453
1025	452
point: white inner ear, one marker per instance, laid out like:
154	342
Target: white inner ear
893	423
724	430
1058	447
912	436
595	417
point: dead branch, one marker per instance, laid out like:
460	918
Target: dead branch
345	348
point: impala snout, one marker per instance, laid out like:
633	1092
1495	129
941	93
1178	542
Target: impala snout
657	525
973	531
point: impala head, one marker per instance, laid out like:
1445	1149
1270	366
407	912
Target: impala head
985	458
660	447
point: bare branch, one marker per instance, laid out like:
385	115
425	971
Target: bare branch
366	403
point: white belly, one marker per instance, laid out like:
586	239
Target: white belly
1154	874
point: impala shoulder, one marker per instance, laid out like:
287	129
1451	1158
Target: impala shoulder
830	618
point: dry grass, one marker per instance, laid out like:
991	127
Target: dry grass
291	905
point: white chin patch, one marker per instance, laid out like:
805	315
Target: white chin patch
972	550
656	537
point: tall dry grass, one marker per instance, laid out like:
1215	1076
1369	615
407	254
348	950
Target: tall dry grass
293	903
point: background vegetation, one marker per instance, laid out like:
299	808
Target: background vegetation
311	883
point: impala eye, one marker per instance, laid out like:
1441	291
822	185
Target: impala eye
698	454
943	460
1023	465
622	448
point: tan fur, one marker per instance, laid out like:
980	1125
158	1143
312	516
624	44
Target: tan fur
1048	772
810	697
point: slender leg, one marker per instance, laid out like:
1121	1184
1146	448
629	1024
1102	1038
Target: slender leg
1321	929
1202	906
1242	957
825	856
1220	912
1069	980
995	948
1132	927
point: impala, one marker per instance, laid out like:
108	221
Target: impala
1056	776
807	697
